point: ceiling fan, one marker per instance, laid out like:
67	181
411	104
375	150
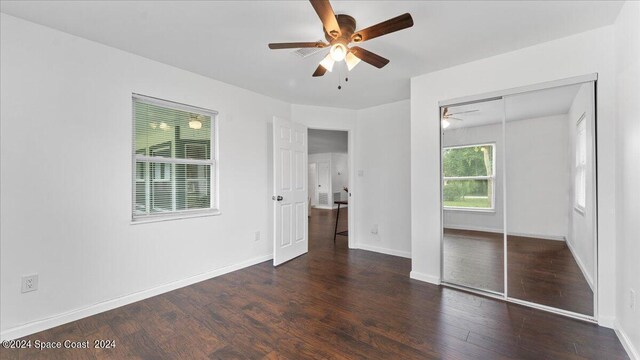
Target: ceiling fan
446	116
339	30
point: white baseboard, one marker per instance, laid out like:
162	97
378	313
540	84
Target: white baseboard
581	265
329	207
73	315
425	277
626	342
499	231
404	254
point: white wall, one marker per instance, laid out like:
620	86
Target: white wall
627	50
339	174
66	179
538	177
576	55
384	158
582	233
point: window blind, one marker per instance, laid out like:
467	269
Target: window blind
175	159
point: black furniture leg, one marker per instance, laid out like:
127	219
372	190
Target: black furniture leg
335	231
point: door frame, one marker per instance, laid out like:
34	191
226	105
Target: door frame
352	174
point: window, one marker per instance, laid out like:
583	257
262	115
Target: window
174	159
469	177
580	187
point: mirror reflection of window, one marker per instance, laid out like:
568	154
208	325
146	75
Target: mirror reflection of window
581	165
469	176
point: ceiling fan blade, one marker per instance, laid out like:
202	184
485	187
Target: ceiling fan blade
319	71
297	45
369	57
386	27
327	16
454	118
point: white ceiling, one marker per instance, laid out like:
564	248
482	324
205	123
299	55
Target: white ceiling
327	141
227	40
531	105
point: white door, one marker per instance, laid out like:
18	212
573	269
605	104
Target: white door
324	179
290	190
313	187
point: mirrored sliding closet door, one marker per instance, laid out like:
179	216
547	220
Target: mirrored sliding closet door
519	197
472	195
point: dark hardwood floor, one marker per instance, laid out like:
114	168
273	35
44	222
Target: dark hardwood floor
540	271
332	303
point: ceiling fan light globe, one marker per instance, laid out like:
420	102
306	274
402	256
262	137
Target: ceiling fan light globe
327	62
351	61
338	52
445	123
195	124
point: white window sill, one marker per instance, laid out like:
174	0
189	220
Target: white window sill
179	216
469	209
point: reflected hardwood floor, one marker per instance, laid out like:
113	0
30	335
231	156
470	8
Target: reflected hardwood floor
540	271
333	303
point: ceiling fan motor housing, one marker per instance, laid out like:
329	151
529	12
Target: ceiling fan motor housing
347	27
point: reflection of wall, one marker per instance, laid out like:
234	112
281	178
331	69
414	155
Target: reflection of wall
581	231
538	177
537	166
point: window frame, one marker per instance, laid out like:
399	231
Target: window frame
579	166
491	178
213	162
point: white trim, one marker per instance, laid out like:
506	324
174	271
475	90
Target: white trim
172	104
329	207
519	90
425	277
73	315
581	265
404	254
469	209
626	342
554	310
173	160
174	215
499	231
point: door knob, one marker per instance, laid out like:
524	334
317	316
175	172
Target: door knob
277	198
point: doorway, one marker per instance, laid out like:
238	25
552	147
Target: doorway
329	168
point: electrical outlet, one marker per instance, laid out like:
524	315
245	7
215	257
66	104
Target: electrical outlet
29	283
257	238
632	299
374	229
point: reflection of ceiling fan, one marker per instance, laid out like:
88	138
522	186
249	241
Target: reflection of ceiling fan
446	116
339	30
